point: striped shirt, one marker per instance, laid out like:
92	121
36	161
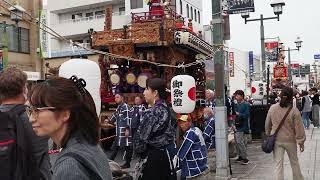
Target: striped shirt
209	133
193	153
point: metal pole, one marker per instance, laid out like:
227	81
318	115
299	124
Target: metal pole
222	151
263	51
289	67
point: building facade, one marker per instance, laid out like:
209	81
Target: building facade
240	76
73	19
21	37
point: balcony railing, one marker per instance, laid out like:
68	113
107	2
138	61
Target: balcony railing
155	15
77	20
71	52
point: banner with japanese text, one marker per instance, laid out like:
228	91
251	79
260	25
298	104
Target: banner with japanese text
271	49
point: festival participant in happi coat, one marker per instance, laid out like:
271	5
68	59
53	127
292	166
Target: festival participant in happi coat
210	99
122	121
193	152
155	138
136	114
209	131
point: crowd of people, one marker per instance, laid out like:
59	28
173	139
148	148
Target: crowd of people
182	146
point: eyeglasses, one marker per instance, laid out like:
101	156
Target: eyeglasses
32	110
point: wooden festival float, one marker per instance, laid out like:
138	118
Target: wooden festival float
158	36
280	74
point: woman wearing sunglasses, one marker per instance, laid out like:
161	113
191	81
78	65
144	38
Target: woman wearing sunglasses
63	110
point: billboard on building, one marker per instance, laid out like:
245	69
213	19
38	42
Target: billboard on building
271	49
239	6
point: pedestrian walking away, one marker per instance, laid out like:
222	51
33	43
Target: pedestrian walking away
315	107
289	135
29	150
306	109
70	119
123	130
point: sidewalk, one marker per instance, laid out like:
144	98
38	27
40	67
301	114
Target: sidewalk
261	164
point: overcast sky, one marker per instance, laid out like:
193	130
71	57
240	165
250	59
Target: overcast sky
300	18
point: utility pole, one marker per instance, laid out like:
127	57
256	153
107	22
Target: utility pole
289	67
222	151
263	50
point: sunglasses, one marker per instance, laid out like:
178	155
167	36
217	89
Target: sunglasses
32	110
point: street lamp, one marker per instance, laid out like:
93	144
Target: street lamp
277	10
298	43
277	6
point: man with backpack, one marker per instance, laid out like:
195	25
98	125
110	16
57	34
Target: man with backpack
24	156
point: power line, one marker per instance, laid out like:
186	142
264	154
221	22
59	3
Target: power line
57	35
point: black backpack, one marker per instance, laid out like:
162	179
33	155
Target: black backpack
16	158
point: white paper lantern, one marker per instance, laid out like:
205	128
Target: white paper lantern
183	94
87	70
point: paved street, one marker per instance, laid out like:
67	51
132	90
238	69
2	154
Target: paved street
261	166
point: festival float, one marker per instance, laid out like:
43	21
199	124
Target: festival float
135	52
280	74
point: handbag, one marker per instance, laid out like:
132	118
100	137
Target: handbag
268	144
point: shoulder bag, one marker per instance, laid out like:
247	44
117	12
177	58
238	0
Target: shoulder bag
268	143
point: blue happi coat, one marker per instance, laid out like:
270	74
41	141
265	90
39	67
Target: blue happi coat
136	115
193	154
123	121
209	133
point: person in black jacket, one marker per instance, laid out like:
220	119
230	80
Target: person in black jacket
315	106
13	93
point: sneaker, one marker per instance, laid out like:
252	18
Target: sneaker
125	166
239	160
245	161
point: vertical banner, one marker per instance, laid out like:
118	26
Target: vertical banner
43	35
239	6
251	66
231	64
272	51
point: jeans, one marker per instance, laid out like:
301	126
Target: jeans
305	118
240	145
278	154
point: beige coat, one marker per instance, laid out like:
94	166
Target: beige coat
292	130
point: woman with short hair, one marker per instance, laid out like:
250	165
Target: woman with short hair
64	110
